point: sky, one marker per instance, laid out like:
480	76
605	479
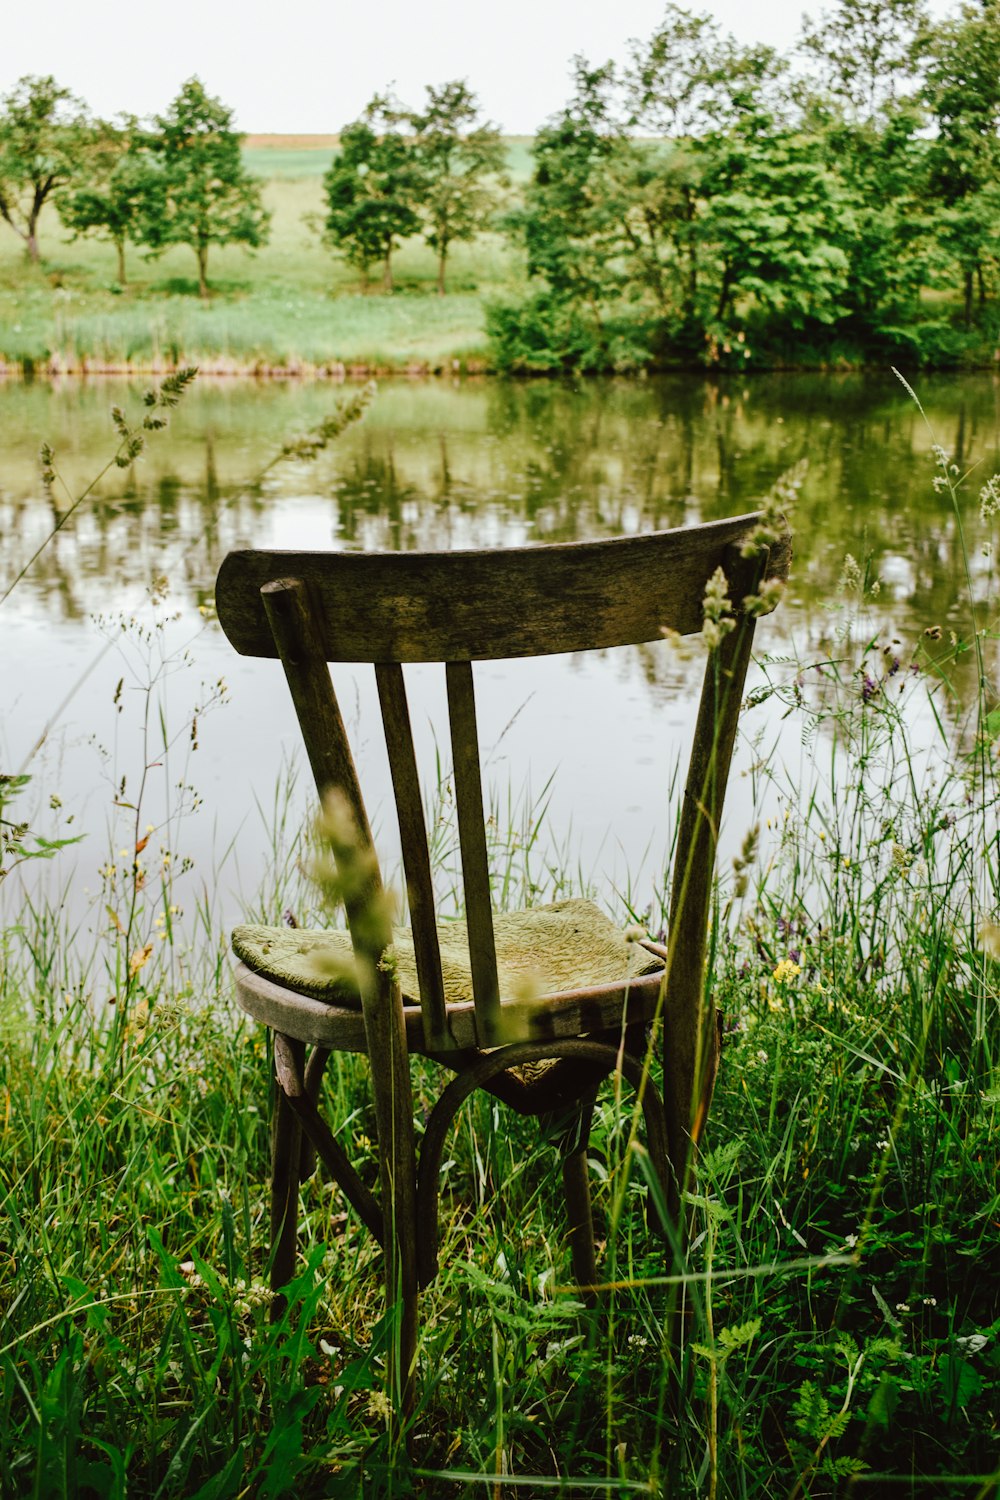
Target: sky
310	66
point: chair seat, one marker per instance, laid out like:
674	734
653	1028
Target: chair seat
563	970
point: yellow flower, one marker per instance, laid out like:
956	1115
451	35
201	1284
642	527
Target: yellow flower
785	971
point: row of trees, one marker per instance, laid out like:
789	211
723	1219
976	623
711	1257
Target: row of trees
179	180
771	203
707	200
401	171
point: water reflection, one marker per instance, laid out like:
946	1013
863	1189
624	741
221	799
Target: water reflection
485	464
490	463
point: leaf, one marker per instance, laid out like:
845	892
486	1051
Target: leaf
992	723
960	1381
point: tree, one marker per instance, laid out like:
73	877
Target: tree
861	101
867	53
707	95
574	204
962	90
44	132
456	159
372	188
203	196
770	221
122	193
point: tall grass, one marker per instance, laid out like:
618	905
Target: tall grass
294	303
841	1328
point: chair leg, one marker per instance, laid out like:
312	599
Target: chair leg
576	1185
286	1150
397	1172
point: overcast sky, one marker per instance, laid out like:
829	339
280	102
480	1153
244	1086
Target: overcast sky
311	65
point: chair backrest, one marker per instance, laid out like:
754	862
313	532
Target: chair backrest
313	608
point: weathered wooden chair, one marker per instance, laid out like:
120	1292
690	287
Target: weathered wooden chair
458	992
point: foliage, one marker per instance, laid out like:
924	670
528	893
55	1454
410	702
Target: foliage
372	188
44	137
122	192
778	205
202	196
962	91
460	164
866	57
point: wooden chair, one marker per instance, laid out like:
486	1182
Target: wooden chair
538	1053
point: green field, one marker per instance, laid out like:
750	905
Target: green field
292	304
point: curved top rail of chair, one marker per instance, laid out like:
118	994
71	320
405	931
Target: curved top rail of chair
503	602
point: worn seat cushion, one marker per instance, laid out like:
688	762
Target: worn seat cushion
566	946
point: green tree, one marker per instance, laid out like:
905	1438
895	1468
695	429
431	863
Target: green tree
372	188
44	137
203	196
866	55
861	99
460	164
575	204
705	94
962	91
122	193
769	223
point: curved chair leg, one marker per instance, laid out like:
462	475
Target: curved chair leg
313	1080
477	1076
286	1150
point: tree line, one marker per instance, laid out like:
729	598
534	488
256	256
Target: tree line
709	203
705	202
180	178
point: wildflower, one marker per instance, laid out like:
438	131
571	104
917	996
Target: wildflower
989	939
767	600
869	688
850	575
933	632
902	1307
787	969
718	610
989	497
379	1406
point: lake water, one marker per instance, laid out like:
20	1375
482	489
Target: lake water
434	464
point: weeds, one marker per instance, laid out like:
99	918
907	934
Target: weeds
842	1319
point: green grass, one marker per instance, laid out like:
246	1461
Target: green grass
291	304
841	1286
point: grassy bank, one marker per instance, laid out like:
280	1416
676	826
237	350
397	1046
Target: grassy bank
293	306
842	1280
296	308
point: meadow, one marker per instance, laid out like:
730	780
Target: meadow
292	307
842	1283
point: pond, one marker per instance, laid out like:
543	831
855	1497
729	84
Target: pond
444	465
